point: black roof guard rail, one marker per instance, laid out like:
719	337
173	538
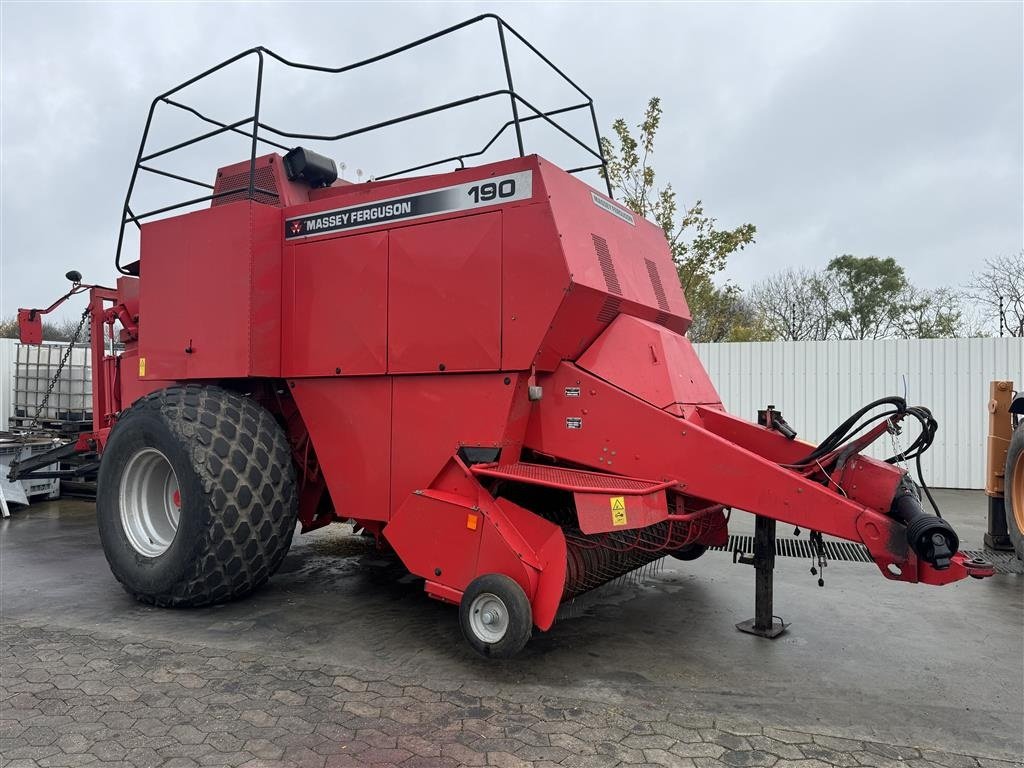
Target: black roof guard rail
251	127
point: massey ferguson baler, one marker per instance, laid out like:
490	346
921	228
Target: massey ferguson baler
486	369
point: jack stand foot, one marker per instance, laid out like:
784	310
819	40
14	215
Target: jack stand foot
751	628
764	623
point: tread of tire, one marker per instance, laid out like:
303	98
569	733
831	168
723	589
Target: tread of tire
244	461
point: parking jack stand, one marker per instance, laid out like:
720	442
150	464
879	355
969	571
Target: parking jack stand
764	623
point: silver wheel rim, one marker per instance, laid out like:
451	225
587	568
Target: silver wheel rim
488	617
150	502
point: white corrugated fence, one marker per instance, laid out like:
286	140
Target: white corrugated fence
818	384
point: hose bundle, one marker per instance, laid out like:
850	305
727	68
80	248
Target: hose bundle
843	435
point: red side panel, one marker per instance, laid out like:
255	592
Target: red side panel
349	421
435	415
454	531
609	249
601	512
264	294
534	282
438	535
335	306
444	296
651	362
210	297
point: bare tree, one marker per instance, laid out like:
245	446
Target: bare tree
794	305
999	289
935	314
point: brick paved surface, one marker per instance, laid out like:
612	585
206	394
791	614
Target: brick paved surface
70	698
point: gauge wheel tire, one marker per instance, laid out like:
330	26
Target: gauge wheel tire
690	552
1013	490
495	616
195	497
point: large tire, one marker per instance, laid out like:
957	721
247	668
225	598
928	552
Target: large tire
1013	490
211	472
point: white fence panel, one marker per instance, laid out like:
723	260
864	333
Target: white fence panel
818	384
7	347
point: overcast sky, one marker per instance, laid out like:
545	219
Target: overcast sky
874	129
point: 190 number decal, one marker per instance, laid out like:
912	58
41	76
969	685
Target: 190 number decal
492	191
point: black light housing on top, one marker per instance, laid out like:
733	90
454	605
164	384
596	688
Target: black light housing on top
306	165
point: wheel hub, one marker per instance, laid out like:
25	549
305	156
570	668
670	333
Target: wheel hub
150	502
488	617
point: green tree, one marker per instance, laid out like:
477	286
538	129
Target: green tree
867	296
700	248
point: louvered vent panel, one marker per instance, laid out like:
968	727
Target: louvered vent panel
610	310
604	258
659	289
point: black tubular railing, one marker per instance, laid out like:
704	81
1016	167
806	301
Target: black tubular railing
252	127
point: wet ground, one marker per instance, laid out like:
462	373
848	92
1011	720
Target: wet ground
341	660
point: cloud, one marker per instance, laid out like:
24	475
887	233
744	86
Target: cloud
887	129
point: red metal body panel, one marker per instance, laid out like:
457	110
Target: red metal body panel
210	294
610	255
433	416
535	281
656	365
335	306
601	512
456	530
444	296
349	422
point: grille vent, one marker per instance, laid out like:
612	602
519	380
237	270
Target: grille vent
609	310
659	289
264	179
604	258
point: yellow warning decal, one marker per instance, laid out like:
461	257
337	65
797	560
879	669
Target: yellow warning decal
142	367
618	510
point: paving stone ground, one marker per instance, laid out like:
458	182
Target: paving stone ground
75	698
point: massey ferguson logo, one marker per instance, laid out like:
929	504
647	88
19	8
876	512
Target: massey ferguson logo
493	190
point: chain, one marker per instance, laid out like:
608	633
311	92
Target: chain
897	447
60	369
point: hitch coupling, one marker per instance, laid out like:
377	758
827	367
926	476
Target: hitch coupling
932	538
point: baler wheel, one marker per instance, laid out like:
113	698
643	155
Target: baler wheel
1013	490
495	616
195	499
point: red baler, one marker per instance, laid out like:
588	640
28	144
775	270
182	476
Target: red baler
486	369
